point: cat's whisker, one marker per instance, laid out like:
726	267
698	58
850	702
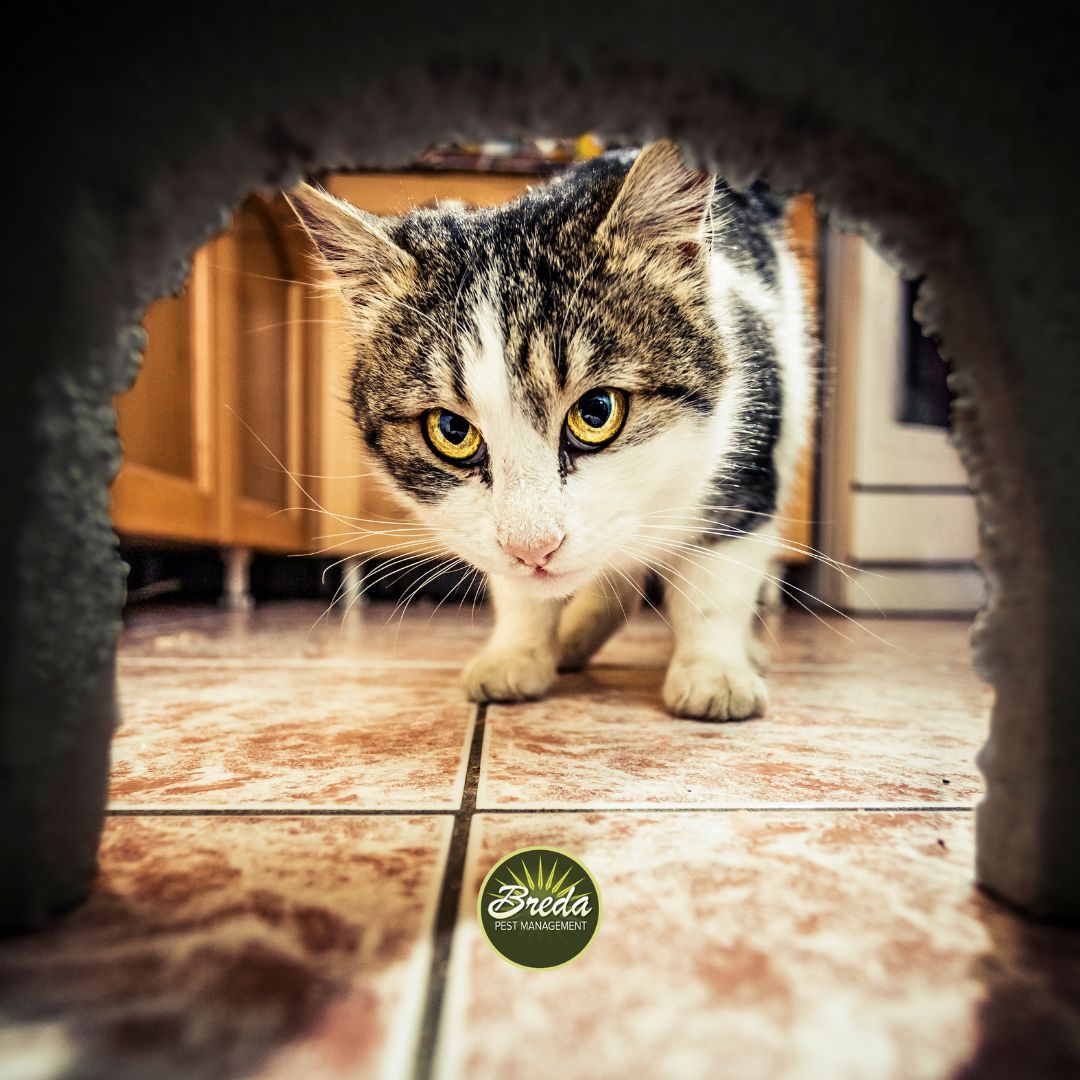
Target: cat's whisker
718	528
350	537
222	267
780	543
376	552
448	558
610	585
788	589
346	519
362	534
342	590
628	550
729	532
370	549
294	322
389	572
675	511
468	584
480	591
752	607
638	589
339	476
440	568
303	491
452	587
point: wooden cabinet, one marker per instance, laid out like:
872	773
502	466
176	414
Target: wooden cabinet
216	420
168	487
264	392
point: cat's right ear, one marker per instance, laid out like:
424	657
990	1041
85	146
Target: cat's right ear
662	203
355	245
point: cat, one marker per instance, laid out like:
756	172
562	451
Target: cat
608	376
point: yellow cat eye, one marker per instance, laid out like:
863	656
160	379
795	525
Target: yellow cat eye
596	418
452	436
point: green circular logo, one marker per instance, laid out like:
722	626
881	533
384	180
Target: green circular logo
539	907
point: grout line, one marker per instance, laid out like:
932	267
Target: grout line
449	903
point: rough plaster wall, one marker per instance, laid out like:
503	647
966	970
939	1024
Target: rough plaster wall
140	139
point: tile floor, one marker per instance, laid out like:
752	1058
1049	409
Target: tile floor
301	816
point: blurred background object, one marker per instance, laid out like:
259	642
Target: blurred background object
894	502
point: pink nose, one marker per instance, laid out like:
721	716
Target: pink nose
537	555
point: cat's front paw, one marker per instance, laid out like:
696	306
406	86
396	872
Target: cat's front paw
502	675
707	690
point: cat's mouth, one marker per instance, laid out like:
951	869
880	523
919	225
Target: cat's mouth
553	583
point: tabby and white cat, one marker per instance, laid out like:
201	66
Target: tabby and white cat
606	376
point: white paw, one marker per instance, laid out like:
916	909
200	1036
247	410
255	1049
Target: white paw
500	675
709	690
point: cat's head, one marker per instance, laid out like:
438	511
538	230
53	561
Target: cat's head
543	381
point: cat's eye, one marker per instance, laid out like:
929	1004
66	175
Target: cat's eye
596	418
452	437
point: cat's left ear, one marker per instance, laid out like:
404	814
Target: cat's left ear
662	202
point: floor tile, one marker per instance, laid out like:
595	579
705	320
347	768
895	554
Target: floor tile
785	944
211	947
799	637
602	739
265	735
302	630
448	635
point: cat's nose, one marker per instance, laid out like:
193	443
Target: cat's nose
537	554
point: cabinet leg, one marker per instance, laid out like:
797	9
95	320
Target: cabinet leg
237	595
352	585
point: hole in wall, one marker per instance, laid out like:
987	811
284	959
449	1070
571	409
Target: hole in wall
237	569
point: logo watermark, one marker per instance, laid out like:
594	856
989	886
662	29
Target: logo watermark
539	907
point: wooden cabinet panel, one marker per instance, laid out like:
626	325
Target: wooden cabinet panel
165	388
215	417
168	486
260	352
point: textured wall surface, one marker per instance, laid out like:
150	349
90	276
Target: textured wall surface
952	149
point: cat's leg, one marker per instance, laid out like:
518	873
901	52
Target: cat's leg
713	674
518	661
594	614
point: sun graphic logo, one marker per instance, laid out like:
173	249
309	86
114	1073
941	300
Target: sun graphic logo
539	907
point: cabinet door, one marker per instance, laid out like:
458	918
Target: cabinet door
168	485
258	338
